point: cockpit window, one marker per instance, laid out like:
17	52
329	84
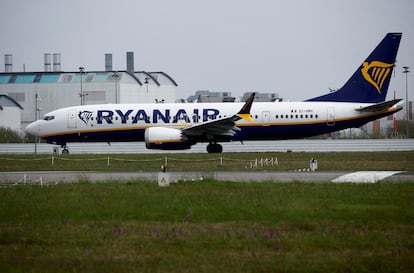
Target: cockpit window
49	117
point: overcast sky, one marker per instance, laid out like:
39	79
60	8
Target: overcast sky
298	49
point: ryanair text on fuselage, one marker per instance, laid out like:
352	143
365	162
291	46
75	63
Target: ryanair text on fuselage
157	115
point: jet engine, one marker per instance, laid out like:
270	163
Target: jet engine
164	138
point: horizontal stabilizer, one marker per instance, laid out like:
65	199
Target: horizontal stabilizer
378	107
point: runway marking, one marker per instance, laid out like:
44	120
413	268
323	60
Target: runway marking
365	176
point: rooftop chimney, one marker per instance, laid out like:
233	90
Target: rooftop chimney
130	61
48	62
56	62
108	62
8	63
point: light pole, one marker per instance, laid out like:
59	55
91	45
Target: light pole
116	77
146	81
37	116
406	71
81	69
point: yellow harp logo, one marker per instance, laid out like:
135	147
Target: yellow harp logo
375	73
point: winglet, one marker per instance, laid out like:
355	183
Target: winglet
244	112
379	106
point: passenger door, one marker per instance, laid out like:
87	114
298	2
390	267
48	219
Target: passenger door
331	116
266	117
72	119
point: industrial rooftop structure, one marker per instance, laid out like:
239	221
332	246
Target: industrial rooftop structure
10	113
42	92
61	89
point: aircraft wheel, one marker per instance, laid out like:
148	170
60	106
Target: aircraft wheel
214	148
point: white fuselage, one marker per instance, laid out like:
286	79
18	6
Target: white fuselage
271	120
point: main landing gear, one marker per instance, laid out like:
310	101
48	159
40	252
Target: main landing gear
214	148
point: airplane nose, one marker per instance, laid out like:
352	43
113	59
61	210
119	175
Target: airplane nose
33	129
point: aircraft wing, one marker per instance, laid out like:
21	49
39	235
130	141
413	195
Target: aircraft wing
378	107
224	126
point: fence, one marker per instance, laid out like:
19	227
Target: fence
57	168
166	161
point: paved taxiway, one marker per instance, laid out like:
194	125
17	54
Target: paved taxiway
48	177
294	145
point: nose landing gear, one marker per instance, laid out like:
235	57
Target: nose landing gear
65	149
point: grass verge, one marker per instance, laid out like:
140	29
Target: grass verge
207	226
365	161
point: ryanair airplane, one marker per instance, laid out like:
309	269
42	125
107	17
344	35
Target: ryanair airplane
181	125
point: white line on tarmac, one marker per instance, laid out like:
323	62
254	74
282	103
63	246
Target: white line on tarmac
364	177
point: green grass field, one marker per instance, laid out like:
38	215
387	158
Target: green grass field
207	226
365	161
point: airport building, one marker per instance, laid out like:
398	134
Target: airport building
202	96
209	96
41	92
10	113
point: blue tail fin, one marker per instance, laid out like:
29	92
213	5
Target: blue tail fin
370	81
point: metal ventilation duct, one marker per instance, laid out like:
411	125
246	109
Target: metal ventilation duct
56	62
48	62
8	63
108	62
130	61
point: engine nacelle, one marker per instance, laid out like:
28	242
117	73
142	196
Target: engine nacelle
164	138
